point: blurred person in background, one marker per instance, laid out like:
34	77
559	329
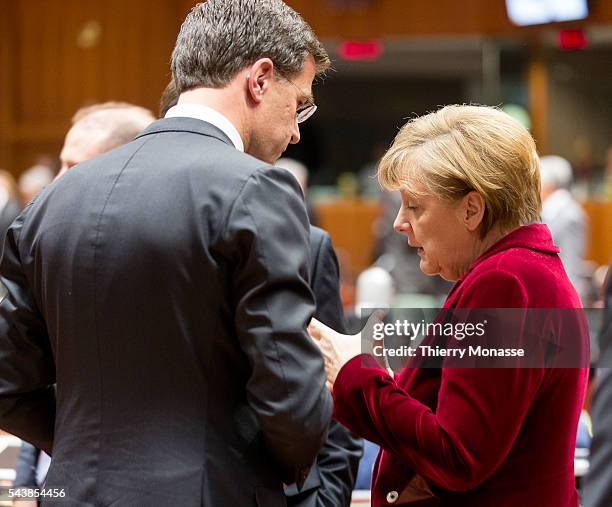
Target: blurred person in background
32	181
598	484
9	209
332	477
300	173
9	203
95	129
101	127
368	184
566	220
470	185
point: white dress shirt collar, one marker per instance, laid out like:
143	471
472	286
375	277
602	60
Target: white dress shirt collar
209	115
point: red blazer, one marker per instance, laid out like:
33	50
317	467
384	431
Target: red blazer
478	437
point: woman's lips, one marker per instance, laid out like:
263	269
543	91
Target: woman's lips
419	250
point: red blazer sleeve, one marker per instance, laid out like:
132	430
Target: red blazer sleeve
479	412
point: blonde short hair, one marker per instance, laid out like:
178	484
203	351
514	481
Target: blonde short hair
461	148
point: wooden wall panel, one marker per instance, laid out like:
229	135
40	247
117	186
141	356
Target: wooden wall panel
52	62
59	55
391	18
395	18
600	240
399	18
6	92
538	91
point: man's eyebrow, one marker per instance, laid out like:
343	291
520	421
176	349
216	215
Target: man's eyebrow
308	98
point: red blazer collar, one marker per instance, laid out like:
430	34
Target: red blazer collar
533	237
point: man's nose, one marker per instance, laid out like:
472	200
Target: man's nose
295	133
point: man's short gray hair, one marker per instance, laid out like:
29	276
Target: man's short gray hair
115	123
221	37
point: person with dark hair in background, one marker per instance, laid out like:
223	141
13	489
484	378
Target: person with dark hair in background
168	99
164	286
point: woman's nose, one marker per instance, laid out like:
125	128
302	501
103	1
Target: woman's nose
400	223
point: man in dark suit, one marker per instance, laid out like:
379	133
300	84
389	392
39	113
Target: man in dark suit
164	287
598	485
332	477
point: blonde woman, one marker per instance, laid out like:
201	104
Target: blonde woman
503	437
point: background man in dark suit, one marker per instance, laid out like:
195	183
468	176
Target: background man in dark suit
598	485
164	286
332	477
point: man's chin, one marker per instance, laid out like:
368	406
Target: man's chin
271	159
279	155
268	158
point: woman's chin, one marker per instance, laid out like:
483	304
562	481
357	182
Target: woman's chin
429	269
449	277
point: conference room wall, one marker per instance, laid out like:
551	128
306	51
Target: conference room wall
59	55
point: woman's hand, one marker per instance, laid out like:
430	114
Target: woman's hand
337	348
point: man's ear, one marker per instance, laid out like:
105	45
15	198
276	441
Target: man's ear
259	78
472	210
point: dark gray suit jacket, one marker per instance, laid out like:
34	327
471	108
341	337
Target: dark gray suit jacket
164	287
598	484
332	478
7	214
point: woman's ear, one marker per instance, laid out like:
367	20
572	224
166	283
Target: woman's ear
472	210
259	77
